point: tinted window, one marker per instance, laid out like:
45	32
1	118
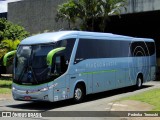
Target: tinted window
69	48
142	48
64	56
91	48
151	47
69	43
39	55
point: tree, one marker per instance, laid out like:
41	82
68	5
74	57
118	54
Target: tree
11	31
10	36
66	11
88	12
7	46
10	45
111	7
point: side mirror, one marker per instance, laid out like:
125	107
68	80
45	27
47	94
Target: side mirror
5	58
52	53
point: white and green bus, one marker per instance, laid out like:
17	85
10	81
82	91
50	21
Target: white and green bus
71	64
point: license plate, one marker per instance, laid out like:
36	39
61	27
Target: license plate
27	98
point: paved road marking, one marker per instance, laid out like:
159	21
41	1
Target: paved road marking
121	105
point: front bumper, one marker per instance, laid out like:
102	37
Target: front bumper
34	96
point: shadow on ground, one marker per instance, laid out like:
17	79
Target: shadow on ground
45	106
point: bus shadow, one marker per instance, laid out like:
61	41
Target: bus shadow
45	106
114	92
41	106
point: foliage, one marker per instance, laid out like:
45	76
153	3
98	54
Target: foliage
111	7
11	31
5	86
5	82
10	36
67	12
2	52
10	44
89	12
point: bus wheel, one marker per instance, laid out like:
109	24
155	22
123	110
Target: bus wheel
139	82
79	93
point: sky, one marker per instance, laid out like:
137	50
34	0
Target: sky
4	5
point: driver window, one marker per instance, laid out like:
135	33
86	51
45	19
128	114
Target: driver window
59	67
60	60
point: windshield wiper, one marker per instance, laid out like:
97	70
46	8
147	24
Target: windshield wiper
34	76
22	73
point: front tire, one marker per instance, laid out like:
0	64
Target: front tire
79	93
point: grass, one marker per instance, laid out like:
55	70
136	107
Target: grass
5	85
151	97
5	91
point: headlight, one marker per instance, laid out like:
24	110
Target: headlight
13	88
52	86
44	89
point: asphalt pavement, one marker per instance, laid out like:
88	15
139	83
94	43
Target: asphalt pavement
92	104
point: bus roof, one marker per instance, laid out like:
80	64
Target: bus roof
52	37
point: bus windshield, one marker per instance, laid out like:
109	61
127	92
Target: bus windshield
30	64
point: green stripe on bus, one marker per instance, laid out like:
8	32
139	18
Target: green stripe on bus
98	72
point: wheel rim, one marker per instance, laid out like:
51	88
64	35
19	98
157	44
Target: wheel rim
78	94
139	82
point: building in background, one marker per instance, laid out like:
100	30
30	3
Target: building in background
142	18
39	15
35	15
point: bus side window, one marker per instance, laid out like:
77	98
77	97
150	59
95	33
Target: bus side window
64	66
63	57
59	65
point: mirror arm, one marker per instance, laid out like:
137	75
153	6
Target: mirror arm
7	55
50	56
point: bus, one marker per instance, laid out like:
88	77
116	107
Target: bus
72	64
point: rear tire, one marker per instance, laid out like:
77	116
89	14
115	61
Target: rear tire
79	93
139	82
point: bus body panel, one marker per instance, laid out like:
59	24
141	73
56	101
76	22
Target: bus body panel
98	74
